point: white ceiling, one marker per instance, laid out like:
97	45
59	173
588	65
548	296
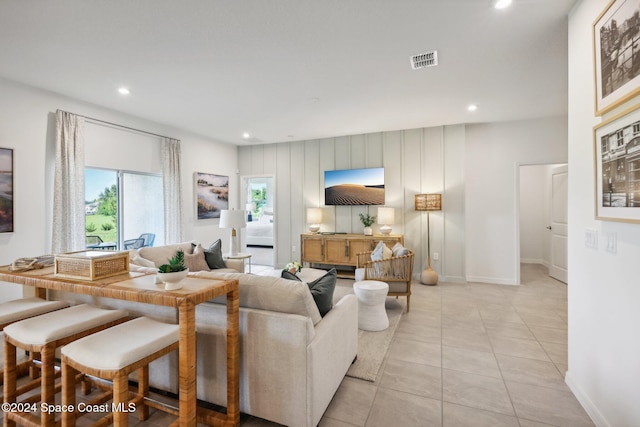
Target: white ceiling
293	69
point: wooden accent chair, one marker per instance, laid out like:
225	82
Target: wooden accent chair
395	271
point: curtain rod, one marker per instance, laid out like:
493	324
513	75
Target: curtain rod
116	125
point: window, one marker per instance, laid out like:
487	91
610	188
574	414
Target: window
121	206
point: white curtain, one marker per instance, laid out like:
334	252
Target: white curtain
172	186
68	200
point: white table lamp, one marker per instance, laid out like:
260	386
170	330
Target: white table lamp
234	220
386	217
314	218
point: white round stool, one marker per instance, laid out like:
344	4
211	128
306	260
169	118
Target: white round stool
372	315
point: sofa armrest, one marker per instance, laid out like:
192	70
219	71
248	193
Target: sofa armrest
330	354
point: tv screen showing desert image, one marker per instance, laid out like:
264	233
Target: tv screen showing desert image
354	187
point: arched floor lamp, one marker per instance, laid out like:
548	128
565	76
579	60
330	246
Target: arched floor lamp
428	203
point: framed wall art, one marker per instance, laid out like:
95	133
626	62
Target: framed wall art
617	158
6	190
616	41
212	194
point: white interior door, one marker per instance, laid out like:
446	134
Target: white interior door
559	225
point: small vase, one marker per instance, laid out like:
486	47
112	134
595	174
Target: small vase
368	231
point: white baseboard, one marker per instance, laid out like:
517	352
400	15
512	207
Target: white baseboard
494	280
531	261
591	409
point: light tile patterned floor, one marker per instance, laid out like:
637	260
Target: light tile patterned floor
466	355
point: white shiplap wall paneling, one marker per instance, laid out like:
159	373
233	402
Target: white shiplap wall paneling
343	161
412	172
257	159
283	205
375	155
453	213
270	159
327	162
296	207
433	182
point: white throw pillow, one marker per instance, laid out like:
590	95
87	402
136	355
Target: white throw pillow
381	252
399	250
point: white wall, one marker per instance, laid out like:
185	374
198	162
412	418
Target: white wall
494	153
28	126
533	217
415	161
475	167
604	290
535	213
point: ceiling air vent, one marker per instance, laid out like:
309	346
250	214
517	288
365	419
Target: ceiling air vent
424	60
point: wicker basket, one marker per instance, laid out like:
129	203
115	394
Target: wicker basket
91	265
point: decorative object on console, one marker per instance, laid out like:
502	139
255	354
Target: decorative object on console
428	203
234	220
314	218
171	274
6	195
386	217
367	220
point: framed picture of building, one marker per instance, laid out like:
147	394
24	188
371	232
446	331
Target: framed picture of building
617	167
616	41
212	194
6	190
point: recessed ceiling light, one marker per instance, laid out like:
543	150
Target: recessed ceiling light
501	4
246	135
472	107
123	91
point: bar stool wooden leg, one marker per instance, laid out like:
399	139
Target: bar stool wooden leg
120	400
47	418
143	390
68	394
9	386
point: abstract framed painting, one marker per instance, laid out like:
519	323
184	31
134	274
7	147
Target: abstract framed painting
617	167
212	195
6	190
616	44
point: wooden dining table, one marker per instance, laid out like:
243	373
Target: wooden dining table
142	288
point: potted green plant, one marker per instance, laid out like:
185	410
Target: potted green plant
171	274
367	220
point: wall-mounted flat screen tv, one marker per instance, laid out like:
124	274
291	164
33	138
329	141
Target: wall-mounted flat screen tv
354	187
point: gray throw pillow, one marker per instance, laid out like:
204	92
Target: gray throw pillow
213	255
321	289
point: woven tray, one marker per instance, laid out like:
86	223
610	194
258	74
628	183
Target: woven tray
91	265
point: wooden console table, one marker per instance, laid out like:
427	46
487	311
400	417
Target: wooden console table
341	249
140	287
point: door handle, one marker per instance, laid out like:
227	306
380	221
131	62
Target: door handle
549	227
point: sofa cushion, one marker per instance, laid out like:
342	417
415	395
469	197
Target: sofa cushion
270	293
162	254
321	289
196	261
213	255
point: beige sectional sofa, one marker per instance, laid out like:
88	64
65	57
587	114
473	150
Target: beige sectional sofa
292	360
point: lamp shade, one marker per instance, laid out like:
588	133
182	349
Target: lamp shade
386	216
428	202
314	215
314	218
232	219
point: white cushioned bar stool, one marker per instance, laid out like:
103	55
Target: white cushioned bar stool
372	315
44	334
113	354
24	308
